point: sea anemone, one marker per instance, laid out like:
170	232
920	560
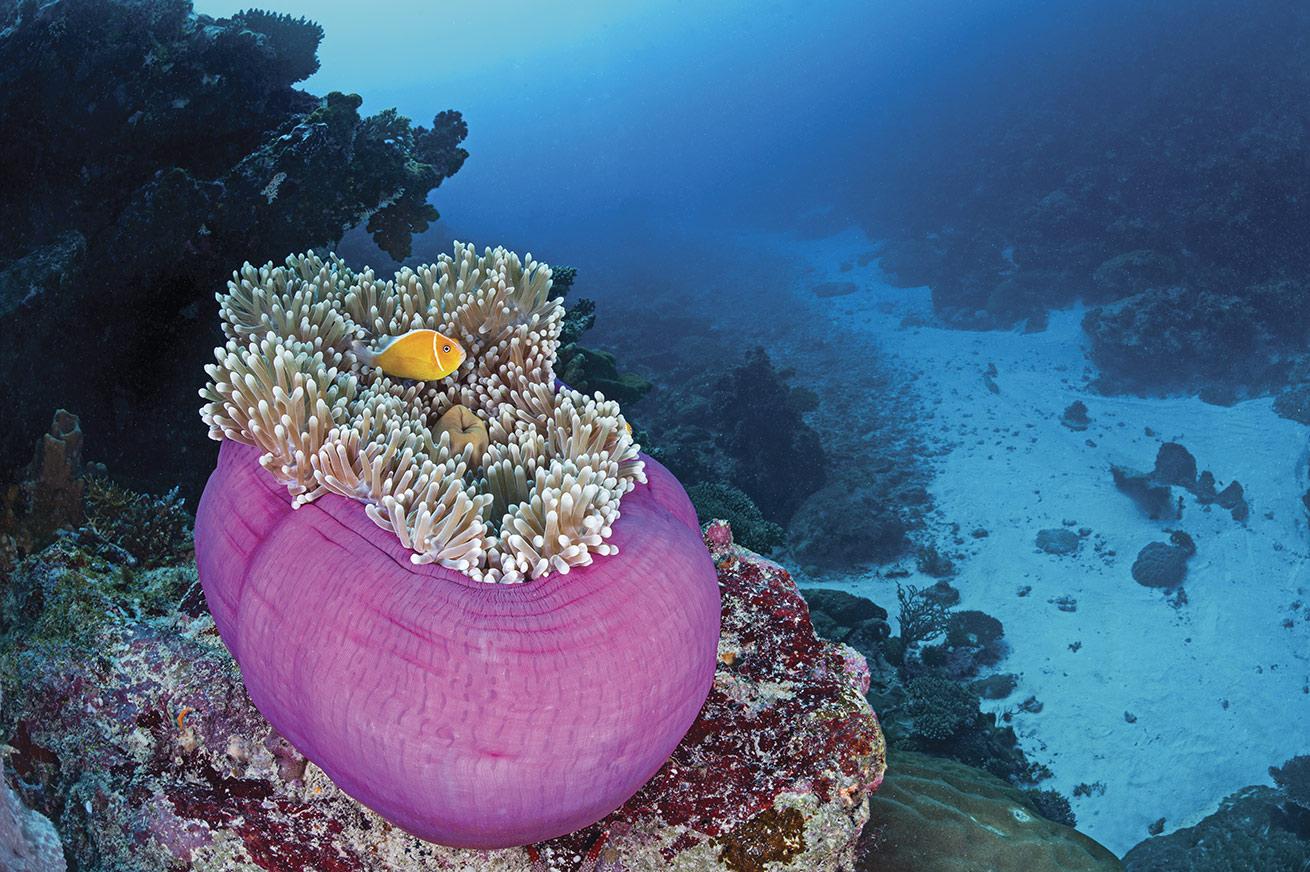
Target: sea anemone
346	541
541	495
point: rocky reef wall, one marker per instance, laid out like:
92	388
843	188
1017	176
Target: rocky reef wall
146	152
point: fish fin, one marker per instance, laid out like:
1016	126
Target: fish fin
365	355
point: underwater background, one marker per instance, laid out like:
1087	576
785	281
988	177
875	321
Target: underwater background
989	323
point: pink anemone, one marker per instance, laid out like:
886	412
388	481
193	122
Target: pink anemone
471	714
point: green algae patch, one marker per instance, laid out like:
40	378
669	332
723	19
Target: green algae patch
772	836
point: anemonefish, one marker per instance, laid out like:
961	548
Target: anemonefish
423	355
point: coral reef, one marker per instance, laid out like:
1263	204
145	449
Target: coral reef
920	678
144	149
935	815
49	494
921	617
776	457
1294	778
544	490
589	370
154	530
1175	466
60	493
862	502
1198	258
586	369
847	524
939	708
1257	827
843	617
149	755
974	640
740	435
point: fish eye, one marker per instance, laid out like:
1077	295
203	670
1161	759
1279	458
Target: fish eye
446	349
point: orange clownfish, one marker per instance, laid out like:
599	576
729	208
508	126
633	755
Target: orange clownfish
423	355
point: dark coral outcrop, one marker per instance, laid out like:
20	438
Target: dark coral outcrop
145	151
777	458
1160	564
1250	830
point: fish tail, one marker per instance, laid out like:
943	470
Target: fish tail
363	353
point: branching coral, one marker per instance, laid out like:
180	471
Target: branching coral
541	497
940	707
156	530
922	618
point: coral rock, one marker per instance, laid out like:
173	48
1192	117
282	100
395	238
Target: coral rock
1174	464
1161	565
28	841
1075	416
1154	499
150	755
50	495
1058	540
115	209
1252	829
716	500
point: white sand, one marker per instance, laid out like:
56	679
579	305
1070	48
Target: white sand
1219	686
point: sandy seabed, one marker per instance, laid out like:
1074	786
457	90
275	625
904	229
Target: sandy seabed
1164	710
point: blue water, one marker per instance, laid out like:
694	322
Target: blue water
990	251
